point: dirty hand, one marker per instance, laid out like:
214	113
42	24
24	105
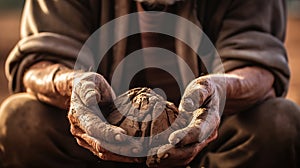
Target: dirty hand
201	106
88	124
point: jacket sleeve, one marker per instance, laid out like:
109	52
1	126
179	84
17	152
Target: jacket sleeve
252	33
51	30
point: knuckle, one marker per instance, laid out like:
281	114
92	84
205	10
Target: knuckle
88	85
80	142
73	130
188	104
102	156
95	145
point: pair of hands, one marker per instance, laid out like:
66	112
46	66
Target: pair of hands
200	105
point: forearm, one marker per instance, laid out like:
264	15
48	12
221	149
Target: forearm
51	83
246	87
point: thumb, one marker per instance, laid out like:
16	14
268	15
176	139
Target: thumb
88	93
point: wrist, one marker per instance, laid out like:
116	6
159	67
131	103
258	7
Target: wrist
63	81
39	79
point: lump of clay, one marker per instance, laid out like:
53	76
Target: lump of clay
143	113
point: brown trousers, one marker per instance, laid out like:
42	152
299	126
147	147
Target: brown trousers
33	134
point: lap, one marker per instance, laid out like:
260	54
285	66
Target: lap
265	136
34	134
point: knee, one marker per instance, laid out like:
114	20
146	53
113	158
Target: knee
20	104
29	126
23	113
265	136
23	107
15	109
276	120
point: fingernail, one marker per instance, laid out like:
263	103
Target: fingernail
136	150
119	138
166	156
92	97
177	141
160	155
163	155
188	104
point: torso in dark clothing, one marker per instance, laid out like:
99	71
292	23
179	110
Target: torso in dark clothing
156	77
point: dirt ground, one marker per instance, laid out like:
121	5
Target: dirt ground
9	35
293	49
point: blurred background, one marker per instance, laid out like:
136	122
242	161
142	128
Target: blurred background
10	15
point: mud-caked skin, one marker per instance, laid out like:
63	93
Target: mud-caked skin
141	113
88	123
